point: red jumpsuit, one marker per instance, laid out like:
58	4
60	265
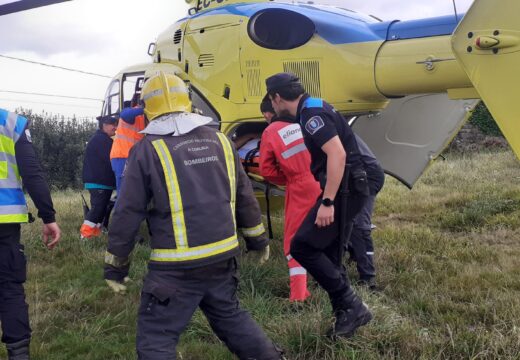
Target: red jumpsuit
284	160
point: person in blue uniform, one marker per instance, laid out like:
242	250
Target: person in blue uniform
317	245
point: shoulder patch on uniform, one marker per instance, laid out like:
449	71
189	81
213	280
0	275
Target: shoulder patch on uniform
314	124
28	135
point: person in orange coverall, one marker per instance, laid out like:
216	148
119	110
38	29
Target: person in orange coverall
284	160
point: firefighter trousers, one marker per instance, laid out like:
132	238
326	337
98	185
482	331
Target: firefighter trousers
14	313
169	299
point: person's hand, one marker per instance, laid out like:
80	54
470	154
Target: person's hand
51	235
118	287
325	216
262	255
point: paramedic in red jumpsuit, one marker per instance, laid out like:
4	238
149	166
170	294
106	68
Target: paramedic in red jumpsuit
284	160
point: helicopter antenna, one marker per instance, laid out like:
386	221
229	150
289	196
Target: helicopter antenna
455	9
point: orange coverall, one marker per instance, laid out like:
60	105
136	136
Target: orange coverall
284	160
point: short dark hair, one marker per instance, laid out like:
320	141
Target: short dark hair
288	93
286	84
266	106
107	119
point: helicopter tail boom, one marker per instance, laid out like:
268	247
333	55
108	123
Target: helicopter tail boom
487	46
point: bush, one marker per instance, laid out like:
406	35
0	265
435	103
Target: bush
60	145
483	119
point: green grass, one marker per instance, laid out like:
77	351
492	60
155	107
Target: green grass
447	254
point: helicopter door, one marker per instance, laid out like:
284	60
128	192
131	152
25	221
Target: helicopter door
131	89
412	131
211	54
112	99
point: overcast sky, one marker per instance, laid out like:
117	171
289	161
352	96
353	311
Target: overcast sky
103	36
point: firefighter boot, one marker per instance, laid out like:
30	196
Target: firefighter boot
18	350
350	313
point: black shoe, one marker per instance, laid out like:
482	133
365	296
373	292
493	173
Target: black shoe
18	350
349	320
370	284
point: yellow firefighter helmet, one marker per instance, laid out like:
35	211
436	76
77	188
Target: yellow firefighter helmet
164	93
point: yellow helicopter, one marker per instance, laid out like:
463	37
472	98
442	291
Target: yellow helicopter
406	86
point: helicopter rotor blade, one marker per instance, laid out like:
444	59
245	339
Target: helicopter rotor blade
23	5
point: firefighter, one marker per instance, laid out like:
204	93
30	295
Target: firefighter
188	178
131	122
98	176
284	160
18	163
318	243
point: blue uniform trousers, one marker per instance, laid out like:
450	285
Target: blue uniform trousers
319	250
14	313
361	246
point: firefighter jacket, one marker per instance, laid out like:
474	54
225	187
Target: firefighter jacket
127	133
189	182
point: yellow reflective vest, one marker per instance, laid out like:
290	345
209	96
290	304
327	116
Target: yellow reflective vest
13	208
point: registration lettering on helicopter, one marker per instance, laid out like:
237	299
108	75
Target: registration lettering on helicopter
205	4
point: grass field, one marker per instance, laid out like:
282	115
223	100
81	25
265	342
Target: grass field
447	253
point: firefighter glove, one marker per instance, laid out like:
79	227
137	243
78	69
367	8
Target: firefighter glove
117	287
262	255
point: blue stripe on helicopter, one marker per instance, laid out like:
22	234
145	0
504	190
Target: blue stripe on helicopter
338	26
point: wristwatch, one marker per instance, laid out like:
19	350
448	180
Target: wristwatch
327	202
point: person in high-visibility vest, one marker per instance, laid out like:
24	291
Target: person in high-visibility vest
285	160
19	164
188	179
131	122
98	176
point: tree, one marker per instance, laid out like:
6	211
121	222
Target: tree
60	144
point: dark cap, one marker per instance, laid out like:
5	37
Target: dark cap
282	80
107	119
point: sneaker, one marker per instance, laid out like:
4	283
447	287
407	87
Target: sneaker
349	320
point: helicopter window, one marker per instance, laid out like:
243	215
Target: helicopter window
132	84
280	29
201	104
111	104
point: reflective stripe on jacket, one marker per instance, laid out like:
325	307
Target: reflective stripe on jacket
13	207
200	196
127	135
